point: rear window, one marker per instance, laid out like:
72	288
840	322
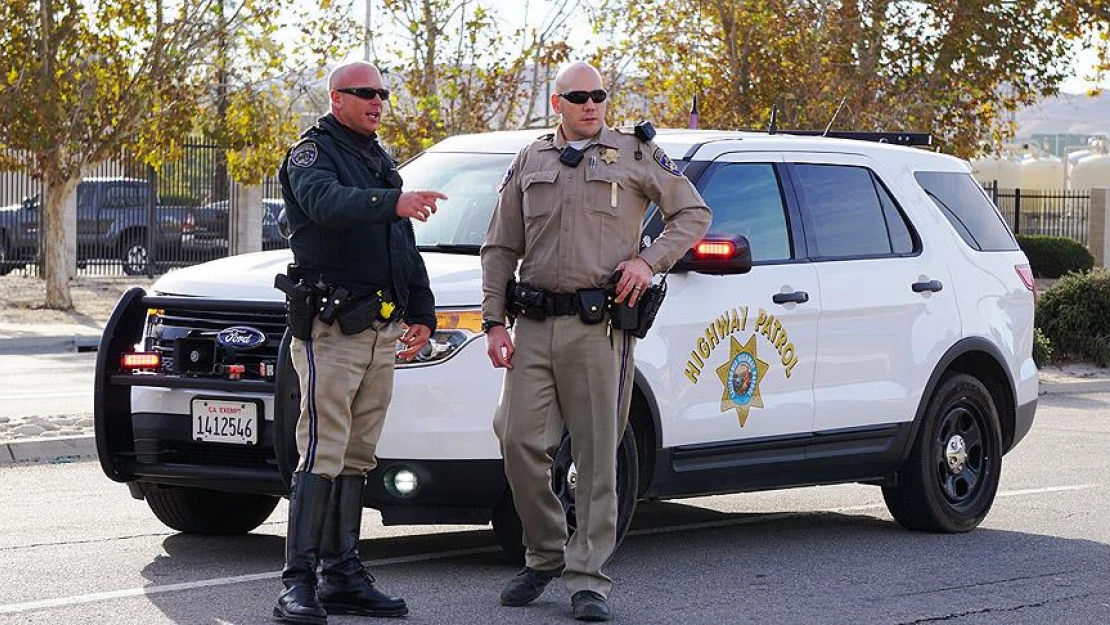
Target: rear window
960	198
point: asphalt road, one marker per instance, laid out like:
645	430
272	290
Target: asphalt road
75	548
47	384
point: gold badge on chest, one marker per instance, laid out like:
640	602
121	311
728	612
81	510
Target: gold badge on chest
610	155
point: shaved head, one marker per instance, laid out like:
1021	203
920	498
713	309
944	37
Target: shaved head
585	119
573	72
353	74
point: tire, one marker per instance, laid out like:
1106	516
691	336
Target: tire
6	265
134	254
506	521
950	479
209	512
287	409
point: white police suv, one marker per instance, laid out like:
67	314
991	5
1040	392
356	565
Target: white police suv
859	313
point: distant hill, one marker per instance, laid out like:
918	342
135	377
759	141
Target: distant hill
1066	114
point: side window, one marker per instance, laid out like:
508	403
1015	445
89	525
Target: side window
123	196
967	208
901	240
747	200
851	215
85	193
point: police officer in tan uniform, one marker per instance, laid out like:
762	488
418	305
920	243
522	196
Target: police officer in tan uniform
571	225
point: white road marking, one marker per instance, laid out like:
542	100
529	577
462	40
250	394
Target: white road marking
59	602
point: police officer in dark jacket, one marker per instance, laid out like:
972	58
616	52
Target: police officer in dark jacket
355	250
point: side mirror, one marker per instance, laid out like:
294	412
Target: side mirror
717	254
28	203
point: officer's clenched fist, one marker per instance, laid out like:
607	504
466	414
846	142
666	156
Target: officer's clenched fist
418	204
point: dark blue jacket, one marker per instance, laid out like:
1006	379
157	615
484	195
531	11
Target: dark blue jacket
340	192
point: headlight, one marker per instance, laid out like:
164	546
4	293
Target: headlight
454	329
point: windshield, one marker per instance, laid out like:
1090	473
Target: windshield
470	181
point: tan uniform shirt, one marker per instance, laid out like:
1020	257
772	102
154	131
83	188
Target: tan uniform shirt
570	227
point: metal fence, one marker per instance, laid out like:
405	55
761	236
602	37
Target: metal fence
123	228
1056	213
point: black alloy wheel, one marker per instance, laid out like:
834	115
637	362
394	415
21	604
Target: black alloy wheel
950	479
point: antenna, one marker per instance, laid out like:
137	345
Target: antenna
694	113
829	127
773	127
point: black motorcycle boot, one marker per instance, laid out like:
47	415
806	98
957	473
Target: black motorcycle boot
308	505
346	587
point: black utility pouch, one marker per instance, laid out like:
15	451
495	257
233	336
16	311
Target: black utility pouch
300	305
591	305
356	316
622	316
530	301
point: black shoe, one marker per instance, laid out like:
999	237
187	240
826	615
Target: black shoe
527	586
357	595
590	606
308	504
346	587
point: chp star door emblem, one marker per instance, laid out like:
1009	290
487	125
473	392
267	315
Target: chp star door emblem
741	376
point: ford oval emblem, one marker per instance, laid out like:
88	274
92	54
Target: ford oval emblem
241	337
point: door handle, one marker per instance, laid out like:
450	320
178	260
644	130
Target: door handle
797	297
931	285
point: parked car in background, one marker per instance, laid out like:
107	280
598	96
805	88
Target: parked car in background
212	231
115	220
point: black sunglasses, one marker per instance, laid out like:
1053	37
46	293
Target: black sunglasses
366	93
580	97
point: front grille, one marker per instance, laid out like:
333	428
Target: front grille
186	340
216	454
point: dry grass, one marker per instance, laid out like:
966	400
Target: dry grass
22	299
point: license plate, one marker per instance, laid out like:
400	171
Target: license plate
224	421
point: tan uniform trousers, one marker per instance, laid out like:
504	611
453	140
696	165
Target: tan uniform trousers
346	384
566	373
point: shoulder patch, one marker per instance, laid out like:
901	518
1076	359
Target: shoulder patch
305	154
505	180
665	162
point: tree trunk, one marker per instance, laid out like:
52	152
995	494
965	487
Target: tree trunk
60	228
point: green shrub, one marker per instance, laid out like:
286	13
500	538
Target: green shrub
1074	316
1052	257
1042	348
178	199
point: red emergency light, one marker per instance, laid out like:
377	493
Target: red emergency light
715	249
139	361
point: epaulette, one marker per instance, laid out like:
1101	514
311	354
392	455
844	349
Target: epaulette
547	137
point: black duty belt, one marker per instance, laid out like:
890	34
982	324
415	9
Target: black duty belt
560	304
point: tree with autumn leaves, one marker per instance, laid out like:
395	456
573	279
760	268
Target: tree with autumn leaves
81	83
953	68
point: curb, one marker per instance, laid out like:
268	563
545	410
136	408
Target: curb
48	344
58	450
1095	385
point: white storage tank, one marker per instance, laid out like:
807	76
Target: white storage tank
1041	173
1001	168
1091	171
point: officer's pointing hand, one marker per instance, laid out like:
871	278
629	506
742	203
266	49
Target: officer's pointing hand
415	338
500	350
418	204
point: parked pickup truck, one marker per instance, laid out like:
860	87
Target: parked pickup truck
113	221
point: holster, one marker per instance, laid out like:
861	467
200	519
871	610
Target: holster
637	319
591	305
301	302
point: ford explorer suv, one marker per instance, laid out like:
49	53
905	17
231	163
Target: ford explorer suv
858	312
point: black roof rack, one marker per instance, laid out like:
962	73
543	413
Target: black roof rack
897	138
